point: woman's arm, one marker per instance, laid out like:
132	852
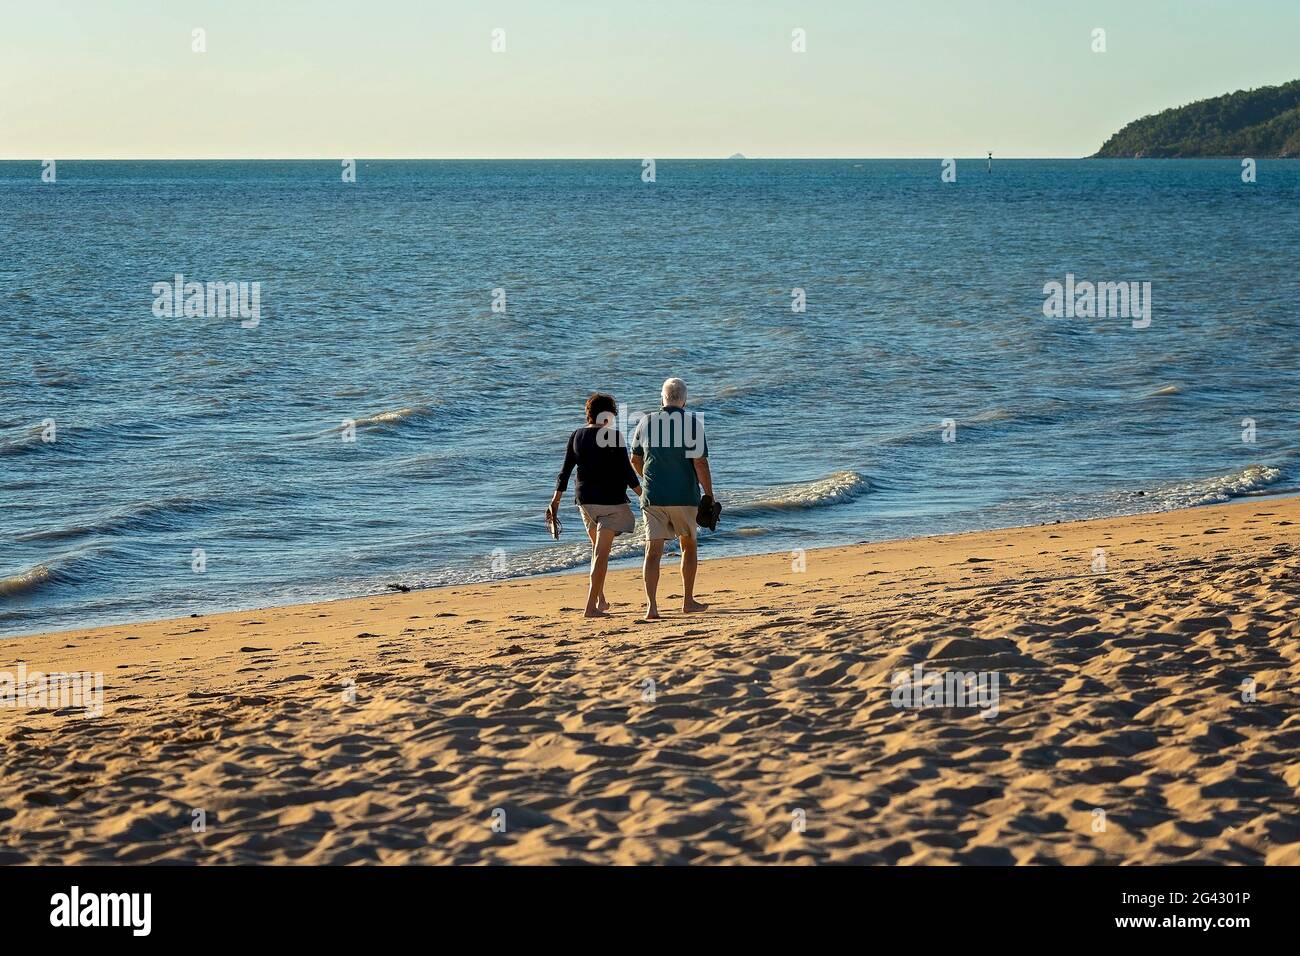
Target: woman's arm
562	479
631	476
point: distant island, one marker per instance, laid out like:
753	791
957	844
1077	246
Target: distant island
1256	123
736	156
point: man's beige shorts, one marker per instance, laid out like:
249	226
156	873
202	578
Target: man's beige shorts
669	521
616	518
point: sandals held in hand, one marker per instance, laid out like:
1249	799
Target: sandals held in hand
707	514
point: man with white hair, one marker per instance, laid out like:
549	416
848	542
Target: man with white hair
671	455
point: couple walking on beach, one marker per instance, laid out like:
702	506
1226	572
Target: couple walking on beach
668	467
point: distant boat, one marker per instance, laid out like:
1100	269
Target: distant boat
736	156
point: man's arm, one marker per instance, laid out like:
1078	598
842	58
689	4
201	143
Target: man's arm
638	455
702	473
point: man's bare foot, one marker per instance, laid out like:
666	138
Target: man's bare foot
652	614
594	612
602	604
693	607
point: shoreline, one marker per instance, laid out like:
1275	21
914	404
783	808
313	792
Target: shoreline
618	564
390	728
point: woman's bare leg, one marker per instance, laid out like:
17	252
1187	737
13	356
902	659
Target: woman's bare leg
601	603
599	565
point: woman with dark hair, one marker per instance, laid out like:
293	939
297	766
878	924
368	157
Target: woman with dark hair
604	475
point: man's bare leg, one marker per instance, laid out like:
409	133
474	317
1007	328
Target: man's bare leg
690	562
650	571
599	565
601	603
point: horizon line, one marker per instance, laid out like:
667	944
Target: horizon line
520	159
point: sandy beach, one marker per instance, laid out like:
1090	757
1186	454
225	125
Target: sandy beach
1146	713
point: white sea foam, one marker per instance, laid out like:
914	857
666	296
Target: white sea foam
1252	479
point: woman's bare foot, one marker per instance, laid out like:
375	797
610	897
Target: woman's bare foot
693	607
652	613
602	604
594	612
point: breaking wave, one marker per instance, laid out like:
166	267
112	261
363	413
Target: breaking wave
162	515
390	418
28	441
28	580
1252	479
837	488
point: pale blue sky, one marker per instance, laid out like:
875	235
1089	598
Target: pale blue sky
615	78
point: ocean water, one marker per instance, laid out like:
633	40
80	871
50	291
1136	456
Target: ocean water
924	303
